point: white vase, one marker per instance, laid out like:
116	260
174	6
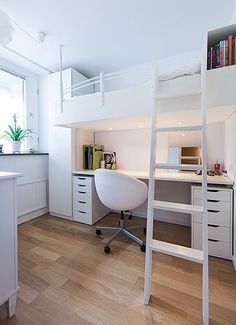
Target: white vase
16	145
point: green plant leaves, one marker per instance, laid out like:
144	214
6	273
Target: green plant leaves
16	133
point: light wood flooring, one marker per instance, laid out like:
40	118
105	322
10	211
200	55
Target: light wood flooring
65	278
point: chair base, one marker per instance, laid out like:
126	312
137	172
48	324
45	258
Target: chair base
119	231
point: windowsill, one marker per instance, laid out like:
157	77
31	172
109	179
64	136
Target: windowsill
26	153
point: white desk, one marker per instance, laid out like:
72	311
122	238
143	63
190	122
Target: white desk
167	176
177	187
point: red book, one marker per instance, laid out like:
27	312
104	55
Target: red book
230	49
233	51
211	58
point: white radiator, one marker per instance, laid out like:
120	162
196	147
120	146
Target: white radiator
31	196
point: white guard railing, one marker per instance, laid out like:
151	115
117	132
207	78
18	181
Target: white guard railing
103	82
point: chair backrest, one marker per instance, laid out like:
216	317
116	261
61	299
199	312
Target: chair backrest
118	191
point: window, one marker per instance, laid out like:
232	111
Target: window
12	100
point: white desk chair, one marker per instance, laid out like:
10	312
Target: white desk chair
121	193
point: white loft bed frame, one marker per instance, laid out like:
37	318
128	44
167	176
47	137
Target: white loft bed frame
125	93
103	77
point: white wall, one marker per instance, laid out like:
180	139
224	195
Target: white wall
230	163
80	137
43	113
215	143
132	147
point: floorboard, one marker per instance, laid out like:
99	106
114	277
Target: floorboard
65	278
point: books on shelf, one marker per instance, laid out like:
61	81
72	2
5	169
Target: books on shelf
222	54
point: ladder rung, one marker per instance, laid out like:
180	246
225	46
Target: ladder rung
177	166
186	253
177	207
192	92
179	128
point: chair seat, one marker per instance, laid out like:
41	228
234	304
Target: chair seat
120	192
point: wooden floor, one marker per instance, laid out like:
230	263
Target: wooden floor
65	278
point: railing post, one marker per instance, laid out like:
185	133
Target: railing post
61	81
101	88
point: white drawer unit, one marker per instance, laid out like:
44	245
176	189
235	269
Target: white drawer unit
87	208
220	210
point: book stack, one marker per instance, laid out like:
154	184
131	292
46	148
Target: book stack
222	54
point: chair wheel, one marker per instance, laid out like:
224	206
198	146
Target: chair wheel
107	249
143	248
98	232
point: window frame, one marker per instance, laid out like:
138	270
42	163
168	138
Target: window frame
31	102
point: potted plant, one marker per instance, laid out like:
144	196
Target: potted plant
16	134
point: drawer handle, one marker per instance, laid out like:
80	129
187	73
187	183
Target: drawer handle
82	202
213	240
215	226
81	185
82	178
213	201
81	192
214	211
213	191
81	211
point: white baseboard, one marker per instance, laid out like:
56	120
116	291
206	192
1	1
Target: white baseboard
31	215
60	216
234	262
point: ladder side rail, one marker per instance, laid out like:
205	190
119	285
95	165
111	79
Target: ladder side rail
205	284
151	187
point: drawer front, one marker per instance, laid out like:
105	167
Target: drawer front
82	183
213	194
215	248
82	205
82	216
215	205
214	232
83	196
219	249
217	218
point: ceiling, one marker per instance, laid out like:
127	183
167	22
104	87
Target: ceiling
107	35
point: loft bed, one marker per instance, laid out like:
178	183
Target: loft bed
125	97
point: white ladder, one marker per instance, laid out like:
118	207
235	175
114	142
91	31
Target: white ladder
164	247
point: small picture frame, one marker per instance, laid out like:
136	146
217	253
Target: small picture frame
110	160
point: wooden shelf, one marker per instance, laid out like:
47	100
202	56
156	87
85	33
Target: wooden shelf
178	166
219	34
189	157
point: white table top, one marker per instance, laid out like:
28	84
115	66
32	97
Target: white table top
6	175
168	176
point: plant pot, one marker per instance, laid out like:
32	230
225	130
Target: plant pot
15	146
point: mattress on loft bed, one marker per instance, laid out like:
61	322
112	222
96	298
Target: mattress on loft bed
185	70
